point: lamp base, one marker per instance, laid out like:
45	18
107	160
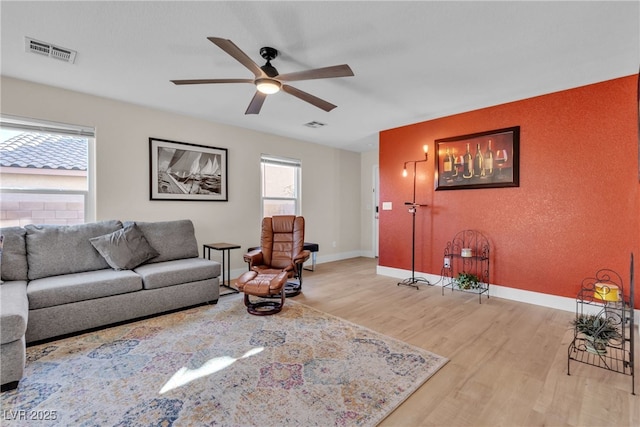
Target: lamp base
413	282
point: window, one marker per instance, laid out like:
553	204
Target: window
280	186
45	173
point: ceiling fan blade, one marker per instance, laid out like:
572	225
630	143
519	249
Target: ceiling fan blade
319	73
207	81
256	103
313	100
233	50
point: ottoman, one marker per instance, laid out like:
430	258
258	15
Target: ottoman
264	285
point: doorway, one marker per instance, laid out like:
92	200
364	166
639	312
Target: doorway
376	210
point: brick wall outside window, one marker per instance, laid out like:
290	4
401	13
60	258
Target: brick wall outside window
19	209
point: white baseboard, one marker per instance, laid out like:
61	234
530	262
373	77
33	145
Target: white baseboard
496	291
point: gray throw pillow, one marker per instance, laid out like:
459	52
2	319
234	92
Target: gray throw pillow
124	249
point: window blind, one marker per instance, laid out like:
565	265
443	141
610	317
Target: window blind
28	125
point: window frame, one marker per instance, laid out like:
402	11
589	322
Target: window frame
269	159
45	126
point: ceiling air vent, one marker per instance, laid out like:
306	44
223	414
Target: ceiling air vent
50	50
314	124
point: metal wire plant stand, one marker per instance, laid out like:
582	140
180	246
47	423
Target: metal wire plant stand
604	300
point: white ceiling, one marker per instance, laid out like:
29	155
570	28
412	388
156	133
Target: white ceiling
413	61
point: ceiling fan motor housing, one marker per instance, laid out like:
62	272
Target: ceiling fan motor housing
269	53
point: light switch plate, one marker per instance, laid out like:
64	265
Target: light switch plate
387	206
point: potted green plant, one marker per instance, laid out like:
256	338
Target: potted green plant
597	330
467	281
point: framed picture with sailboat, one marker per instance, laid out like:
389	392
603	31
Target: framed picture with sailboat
183	171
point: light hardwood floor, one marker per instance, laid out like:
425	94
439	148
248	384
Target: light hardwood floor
508	360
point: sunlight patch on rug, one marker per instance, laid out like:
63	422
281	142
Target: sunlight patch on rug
219	365
185	375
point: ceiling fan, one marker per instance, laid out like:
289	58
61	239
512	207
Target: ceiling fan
268	80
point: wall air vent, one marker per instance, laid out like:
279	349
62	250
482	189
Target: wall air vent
314	124
50	50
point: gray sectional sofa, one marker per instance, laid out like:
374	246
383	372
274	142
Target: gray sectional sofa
58	280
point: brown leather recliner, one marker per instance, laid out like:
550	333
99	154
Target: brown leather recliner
281	251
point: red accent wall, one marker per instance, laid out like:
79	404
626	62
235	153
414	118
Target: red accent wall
577	208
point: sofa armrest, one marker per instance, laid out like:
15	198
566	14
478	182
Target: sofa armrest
14	310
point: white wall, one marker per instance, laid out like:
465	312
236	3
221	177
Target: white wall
331	178
368	160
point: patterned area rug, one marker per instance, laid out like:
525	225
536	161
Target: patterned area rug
219	365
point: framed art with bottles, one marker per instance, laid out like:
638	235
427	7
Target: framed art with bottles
488	159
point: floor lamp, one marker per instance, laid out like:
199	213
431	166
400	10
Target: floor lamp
413	207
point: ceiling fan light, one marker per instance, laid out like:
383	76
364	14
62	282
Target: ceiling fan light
268	86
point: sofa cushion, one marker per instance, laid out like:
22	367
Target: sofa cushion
58	290
124	249
14	309
14	254
169	273
172	239
53	250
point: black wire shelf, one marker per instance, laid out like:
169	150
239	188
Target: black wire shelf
604	297
468	252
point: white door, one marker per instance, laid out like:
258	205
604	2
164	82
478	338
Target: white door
376	209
